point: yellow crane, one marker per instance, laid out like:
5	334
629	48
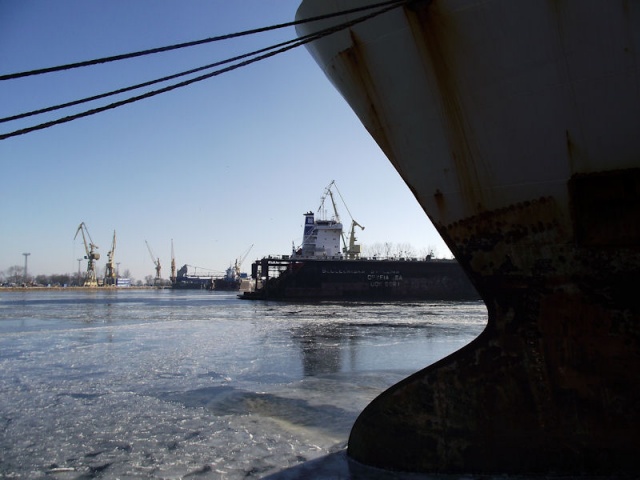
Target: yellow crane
241	259
350	249
173	265
109	269
321	208
353	250
156	262
91	255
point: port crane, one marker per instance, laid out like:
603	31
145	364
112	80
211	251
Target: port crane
91	255
232	273
241	259
350	249
321	208
353	250
156	262
173	277
109	269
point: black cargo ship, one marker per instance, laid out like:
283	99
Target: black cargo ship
321	269
363	279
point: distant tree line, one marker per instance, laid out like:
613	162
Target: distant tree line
15	276
392	250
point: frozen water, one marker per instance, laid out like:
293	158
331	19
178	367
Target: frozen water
173	384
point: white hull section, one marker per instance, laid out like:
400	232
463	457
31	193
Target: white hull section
487	104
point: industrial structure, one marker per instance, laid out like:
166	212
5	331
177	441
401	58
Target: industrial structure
90	255
350	249
156	261
111	274
173	265
232	279
109	270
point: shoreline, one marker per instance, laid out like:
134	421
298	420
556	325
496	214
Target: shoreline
75	288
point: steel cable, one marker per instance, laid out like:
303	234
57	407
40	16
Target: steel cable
86	63
275	49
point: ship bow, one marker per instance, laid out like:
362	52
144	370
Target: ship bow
515	125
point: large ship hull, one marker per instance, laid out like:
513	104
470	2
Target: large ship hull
516	126
189	282
226	284
362	280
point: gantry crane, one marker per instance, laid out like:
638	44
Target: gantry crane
156	262
109	269
91	256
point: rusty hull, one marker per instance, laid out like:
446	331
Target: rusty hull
517	127
551	385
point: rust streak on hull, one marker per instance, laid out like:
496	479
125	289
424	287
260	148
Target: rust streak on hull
552	385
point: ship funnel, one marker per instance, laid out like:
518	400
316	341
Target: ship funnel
309	235
308	224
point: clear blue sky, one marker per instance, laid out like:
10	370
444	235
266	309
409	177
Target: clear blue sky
217	166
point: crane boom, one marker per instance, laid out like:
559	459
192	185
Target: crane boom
244	256
236	268
156	262
327	191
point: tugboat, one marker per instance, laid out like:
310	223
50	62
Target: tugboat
516	126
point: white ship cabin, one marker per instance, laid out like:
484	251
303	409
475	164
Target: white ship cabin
320	239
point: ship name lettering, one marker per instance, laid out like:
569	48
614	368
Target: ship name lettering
378	277
340	271
387	272
378	283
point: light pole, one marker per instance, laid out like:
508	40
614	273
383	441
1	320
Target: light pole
25	266
79	260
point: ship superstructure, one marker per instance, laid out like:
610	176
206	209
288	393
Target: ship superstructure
320	239
323	234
